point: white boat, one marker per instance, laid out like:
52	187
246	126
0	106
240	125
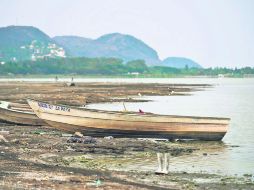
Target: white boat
130	124
18	114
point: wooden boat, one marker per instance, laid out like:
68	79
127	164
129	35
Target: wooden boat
130	124
18	114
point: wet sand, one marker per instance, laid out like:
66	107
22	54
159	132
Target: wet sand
43	158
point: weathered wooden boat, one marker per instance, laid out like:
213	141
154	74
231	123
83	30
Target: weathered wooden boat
18	114
130	124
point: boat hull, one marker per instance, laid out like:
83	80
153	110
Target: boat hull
117	124
98	132
19	117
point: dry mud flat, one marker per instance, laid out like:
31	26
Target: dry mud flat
82	93
42	157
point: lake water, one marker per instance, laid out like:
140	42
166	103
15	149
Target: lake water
233	98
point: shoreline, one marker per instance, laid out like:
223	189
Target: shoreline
42	157
91	92
69	76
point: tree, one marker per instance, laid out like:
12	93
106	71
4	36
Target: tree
137	66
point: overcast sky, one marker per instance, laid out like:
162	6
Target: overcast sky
211	32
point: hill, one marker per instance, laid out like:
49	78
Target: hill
75	46
115	45
26	43
180	62
19	43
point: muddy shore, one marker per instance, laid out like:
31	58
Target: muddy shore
44	158
85	93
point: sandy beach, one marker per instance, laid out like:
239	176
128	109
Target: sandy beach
45	158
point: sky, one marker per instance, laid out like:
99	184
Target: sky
211	32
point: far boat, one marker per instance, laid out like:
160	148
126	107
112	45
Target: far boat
18	114
130	124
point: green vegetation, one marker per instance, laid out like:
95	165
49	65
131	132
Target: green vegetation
111	67
23	43
137	66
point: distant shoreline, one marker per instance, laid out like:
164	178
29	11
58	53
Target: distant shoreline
114	76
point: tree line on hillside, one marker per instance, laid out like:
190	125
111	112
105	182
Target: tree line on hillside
109	66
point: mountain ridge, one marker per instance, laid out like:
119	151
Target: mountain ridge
180	62
114	45
30	43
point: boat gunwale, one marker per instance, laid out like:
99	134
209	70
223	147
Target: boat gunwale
128	121
126	113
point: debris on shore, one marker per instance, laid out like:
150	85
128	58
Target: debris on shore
46	158
48	161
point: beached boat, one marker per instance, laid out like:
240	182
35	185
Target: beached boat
18	114
130	124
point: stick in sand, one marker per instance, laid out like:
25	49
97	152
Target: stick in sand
2	138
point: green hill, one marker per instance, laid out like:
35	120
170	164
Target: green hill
19	43
115	45
26	43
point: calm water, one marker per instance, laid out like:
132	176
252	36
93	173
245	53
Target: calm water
233	98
